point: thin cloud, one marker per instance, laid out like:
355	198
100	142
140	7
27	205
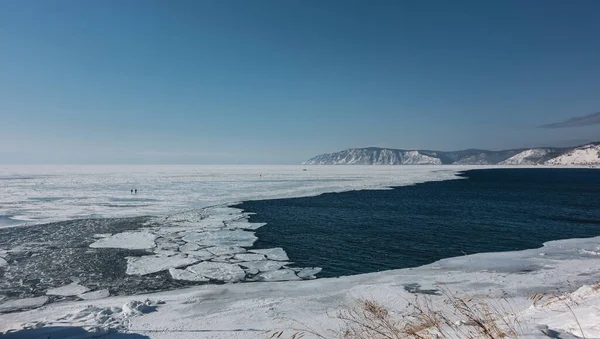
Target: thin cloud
586	120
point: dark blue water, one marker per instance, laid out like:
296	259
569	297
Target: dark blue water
490	210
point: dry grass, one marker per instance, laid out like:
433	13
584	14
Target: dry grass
462	318
467	318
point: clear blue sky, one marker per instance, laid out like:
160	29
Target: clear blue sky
142	81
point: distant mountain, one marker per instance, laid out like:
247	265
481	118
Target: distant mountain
582	155
588	154
528	157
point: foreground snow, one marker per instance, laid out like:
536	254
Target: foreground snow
248	310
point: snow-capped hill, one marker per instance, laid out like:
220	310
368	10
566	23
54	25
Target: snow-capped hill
583	155
416	158
475	159
374	156
528	157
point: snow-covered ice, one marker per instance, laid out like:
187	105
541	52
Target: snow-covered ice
20	304
218	271
99	294
186	274
75	192
68	290
222	238
309	272
224	250
200	254
127	240
279	275
155	263
247	310
263	265
249	257
189	247
273	253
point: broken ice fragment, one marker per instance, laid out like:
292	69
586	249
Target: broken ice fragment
21	304
189	247
152	263
127	240
273	253
309	272
279	275
186	275
222	238
263	265
223	250
218	271
249	256
100	294
68	290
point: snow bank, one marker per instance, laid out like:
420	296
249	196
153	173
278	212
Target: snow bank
247	310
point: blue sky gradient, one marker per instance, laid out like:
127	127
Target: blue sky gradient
267	81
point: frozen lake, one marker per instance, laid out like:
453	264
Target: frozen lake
40	194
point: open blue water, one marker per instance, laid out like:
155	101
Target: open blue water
490	210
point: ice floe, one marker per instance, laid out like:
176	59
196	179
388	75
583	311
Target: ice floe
224	250
273	253
200	254
127	240
218	271
100	294
279	275
215	237
222	238
249	257
263	265
189	247
186	274
308	272
68	290
155	263
22	304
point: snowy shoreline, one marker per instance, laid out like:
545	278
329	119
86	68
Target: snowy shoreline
221	311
